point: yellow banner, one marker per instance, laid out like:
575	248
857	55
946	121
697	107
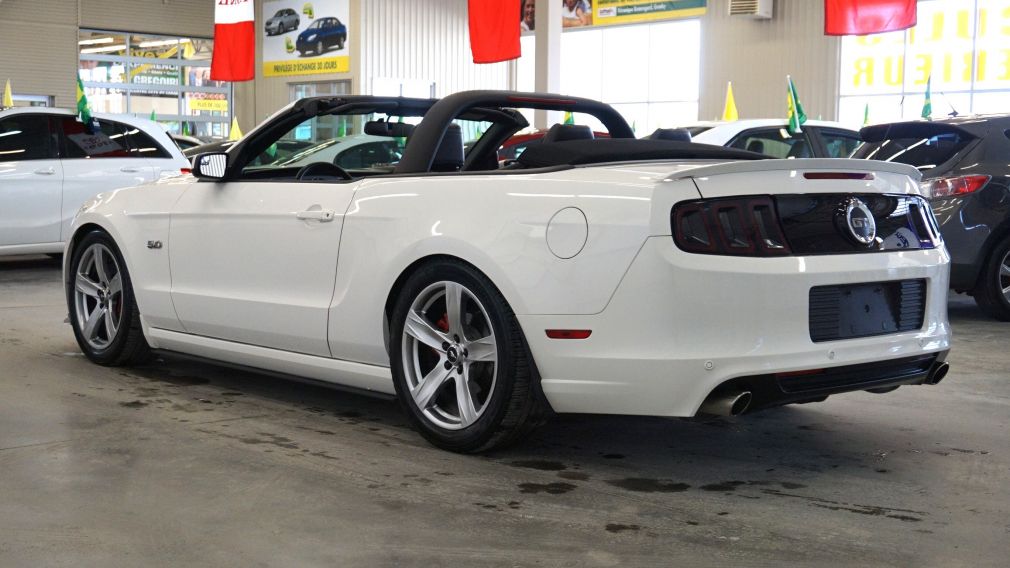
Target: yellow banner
212	105
617	12
341	64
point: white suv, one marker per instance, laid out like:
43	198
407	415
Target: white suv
50	165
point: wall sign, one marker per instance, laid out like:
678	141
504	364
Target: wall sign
595	13
305	38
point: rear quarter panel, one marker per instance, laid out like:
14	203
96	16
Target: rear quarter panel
497	223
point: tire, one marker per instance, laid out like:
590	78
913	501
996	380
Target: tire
340	43
110	341
992	294
491	358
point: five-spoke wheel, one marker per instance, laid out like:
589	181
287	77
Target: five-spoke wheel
460	363
103	311
449	355
98	295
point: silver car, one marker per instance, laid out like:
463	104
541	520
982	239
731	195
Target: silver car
284	20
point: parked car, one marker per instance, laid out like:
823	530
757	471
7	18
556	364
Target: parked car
50	165
965	164
284	20
819	138
355	152
186	142
281	149
322	35
517	144
615	275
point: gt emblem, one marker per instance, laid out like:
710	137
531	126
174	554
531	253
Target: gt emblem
859	220
154	244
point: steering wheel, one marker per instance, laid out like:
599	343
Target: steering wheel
322	171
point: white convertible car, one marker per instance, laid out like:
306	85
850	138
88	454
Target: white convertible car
612	275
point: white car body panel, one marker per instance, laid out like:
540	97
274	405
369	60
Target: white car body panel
37	207
242	279
722	133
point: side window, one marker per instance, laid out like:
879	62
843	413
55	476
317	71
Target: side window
839	143
25	137
78	143
140	144
774	142
368	155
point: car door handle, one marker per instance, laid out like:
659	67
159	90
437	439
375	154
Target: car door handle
129	170
46	171
321	215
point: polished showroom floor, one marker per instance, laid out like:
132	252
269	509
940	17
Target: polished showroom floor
191	464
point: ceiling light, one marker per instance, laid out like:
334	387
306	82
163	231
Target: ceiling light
105	49
95	41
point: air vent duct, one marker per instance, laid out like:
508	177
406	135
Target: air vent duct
757	9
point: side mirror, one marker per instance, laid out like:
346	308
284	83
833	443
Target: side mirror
210	166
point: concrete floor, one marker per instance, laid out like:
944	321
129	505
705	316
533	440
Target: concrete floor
191	464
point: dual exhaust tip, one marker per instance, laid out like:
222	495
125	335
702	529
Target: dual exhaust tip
726	404
733	403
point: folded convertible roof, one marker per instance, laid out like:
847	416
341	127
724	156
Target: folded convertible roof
602	150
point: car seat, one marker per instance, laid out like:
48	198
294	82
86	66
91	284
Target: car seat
566	132
450	155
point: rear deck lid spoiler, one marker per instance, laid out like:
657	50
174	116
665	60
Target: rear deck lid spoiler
799	165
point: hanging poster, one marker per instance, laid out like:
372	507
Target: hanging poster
595	13
305	38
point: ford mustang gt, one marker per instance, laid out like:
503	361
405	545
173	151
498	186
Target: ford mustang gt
594	275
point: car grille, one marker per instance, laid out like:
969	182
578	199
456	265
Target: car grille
849	311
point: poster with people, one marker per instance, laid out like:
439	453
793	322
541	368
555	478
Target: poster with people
305	38
593	13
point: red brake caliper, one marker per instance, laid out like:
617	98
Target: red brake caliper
442	324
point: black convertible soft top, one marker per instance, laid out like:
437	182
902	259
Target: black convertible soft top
602	150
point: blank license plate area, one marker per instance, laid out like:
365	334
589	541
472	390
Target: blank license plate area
862	310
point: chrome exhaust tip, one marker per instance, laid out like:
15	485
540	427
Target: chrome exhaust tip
937	373
729	404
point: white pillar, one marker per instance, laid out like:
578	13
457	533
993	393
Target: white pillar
548	62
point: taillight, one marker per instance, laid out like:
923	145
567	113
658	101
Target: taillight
185	171
745	226
952	186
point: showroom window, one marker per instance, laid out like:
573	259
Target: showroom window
648	72
961	45
161	76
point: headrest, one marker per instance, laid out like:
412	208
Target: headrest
678	134
450	155
566	132
756	145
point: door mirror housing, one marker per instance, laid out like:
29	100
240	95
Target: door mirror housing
210	166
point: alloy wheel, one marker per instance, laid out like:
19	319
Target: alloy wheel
319	48
1003	277
98	296
450	357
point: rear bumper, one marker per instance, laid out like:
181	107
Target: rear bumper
680	325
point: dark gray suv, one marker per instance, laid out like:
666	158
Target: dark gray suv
965	164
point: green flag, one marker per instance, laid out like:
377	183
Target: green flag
83	108
927	106
185	129
797	117
154	116
341	127
569	117
866	115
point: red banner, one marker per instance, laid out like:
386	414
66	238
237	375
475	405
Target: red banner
862	17
234	57
494	32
